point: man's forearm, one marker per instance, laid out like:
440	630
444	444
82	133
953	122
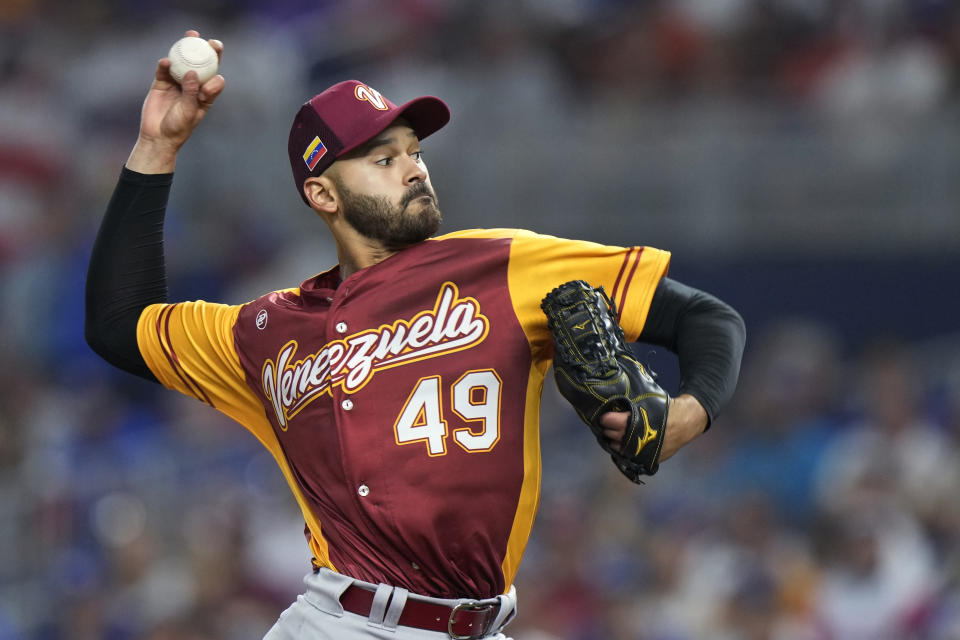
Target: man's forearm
127	271
708	337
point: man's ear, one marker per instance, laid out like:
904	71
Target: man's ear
319	194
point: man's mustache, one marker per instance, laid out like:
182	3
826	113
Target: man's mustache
414	192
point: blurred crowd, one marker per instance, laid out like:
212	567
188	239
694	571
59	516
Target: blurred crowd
818	507
821	505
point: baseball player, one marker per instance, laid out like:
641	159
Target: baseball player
398	391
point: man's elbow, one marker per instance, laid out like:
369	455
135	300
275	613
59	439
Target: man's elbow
98	338
738	323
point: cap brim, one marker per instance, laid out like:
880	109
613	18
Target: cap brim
426	115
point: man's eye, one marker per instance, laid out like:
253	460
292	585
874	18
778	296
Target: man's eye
385	162
418	156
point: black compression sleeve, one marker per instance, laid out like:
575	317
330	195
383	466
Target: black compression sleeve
127	271
707	335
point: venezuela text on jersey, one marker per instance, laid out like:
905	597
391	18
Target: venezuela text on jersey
453	324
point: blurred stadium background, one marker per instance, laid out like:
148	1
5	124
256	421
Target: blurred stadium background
800	159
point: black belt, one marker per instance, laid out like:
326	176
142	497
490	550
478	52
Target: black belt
462	621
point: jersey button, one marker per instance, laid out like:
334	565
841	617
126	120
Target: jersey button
347	404
363	490
341	327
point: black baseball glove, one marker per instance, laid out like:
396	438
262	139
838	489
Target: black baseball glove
596	372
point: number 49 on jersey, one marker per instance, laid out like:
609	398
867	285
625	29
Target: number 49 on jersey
474	398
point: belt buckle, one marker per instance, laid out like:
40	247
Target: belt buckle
469	605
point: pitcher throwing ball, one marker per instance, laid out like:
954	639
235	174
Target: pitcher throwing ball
399	390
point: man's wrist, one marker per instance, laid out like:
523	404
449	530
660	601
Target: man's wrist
152	156
687	414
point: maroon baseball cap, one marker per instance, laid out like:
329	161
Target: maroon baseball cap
345	116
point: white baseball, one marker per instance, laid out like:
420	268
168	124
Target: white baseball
192	53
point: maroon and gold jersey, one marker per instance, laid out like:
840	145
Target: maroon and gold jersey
402	403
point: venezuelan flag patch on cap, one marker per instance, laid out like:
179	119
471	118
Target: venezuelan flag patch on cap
315	151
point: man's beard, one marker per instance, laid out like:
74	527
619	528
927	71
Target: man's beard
392	225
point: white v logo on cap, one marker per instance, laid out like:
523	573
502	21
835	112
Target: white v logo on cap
365	93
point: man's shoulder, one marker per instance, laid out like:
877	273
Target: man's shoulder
479	234
512	234
272	302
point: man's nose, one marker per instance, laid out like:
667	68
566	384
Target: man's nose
416	172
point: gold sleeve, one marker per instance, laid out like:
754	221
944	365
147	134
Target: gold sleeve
539	263
190	347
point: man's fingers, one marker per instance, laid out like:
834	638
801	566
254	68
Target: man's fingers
163	71
615	436
190	95
614	425
218	47
190	83
211	89
615	420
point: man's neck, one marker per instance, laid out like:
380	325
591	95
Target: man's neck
359	256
